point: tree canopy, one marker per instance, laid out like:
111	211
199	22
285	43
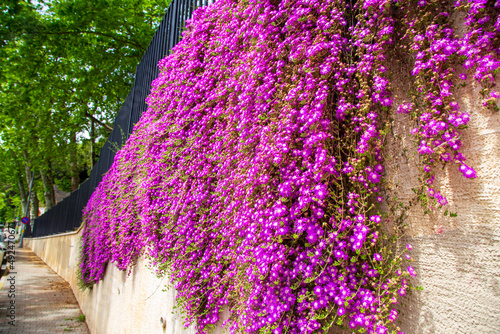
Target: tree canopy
67	66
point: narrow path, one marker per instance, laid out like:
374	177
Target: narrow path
34	299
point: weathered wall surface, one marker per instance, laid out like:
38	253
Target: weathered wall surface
122	304
457	259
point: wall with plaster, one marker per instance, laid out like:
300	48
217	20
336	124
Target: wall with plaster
457	259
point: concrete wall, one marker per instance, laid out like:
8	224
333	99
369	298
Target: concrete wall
120	303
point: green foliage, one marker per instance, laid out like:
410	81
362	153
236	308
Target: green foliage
65	62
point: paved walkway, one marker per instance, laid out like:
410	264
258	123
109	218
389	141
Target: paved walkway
36	299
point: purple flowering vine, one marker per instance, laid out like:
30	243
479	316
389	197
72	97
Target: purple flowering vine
255	177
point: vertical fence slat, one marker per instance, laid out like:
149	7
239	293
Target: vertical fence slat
61	227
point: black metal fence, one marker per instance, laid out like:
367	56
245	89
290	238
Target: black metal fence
67	215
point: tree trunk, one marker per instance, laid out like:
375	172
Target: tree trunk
22	194
48	188
34	204
75	178
32	196
92	144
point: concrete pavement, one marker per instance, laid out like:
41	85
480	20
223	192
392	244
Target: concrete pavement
34	299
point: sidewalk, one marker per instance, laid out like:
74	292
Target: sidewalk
36	299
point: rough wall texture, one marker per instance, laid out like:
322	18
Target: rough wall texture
457	259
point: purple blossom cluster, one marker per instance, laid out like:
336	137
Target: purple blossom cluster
254	177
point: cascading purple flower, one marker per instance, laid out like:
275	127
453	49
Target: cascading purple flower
253	177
